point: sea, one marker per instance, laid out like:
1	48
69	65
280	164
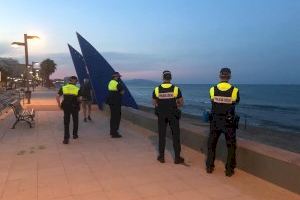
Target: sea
275	107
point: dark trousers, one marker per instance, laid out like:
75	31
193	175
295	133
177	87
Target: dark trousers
163	121
230	136
67	116
115	118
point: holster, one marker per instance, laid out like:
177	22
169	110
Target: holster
233	120
229	119
177	113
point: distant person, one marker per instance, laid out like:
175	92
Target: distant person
70	106
167	98
223	119
114	101
86	92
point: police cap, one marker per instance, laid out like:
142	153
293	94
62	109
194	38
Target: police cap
73	78
225	72
116	74
167	75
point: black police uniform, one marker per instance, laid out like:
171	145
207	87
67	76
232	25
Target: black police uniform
114	101
166	95
70	106
223	120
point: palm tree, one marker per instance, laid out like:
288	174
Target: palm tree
10	67
48	67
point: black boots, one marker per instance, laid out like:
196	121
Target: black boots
229	172
89	118
116	136
209	170
179	160
161	159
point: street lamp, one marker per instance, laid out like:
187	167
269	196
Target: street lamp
25	44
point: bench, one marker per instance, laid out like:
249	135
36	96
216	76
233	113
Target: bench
22	114
3	105
5	100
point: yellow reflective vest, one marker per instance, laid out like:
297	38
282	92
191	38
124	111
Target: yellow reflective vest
223	96
114	95
224	86
167	94
113	85
70	89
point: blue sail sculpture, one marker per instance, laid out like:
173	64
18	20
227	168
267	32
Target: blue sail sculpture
80	68
100	73
79	64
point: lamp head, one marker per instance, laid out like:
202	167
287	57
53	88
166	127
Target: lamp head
32	37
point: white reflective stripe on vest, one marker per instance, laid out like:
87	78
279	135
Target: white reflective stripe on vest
167	95
224	100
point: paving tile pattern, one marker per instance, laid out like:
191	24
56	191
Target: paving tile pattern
35	165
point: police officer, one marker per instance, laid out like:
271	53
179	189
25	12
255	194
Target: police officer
224	97
70	106
114	101
167	98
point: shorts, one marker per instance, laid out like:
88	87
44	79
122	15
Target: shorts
86	103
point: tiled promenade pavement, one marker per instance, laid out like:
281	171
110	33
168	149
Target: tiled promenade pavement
34	164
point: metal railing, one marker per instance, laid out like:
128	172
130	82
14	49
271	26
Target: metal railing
6	97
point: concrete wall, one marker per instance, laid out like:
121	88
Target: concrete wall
270	163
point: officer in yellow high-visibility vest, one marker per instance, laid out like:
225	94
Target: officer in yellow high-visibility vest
223	119
70	105
167	98
114	100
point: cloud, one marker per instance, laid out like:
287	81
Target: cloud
142	66
144	74
247	67
64	63
5	49
130	65
126	61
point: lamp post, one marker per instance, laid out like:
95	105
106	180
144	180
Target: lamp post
25	44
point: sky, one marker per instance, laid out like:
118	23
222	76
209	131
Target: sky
258	40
